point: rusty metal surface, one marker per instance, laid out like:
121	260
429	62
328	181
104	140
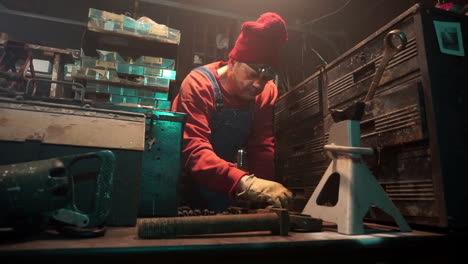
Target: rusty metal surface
44	52
56	89
166	227
13	76
48	53
234	220
70	125
275	220
14	81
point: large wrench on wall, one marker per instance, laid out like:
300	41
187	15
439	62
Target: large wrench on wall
356	110
390	50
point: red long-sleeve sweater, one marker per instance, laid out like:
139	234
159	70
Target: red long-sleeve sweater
197	98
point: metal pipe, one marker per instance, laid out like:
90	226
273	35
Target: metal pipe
352	150
163	227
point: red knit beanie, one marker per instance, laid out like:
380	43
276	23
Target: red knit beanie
260	41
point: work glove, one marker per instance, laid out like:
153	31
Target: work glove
262	193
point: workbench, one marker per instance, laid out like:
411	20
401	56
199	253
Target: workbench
380	244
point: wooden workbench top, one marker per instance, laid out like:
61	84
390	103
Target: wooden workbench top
122	242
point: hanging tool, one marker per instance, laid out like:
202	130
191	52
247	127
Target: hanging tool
390	50
356	110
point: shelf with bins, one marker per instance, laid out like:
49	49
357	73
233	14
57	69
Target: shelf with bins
126	61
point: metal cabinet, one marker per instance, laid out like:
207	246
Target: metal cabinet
416	122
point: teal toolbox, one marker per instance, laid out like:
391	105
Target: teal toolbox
161	159
35	130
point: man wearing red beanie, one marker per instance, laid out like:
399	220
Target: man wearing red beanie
229	105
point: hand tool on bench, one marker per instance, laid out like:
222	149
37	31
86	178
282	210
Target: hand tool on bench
278	221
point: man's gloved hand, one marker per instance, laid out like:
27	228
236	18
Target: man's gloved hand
263	193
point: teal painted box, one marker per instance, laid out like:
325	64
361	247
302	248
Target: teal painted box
161	160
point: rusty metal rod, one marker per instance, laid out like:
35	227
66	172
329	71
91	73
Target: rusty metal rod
165	227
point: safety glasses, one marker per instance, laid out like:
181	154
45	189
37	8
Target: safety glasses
265	72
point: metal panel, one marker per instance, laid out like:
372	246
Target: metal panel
71	129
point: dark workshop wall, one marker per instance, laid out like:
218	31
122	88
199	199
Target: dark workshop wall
319	30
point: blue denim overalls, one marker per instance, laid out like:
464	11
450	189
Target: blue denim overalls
230	130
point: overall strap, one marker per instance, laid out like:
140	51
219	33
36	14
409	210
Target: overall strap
214	82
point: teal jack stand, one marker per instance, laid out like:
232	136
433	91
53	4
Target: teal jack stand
358	188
